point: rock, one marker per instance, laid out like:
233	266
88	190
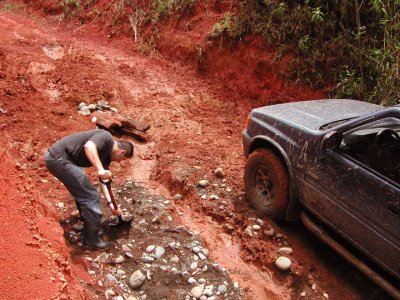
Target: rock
207	292
193	266
159	252
201	256
260	222
129	255
285	250
94	120
248	231
75	213
100	283
137	279
77	227
204	183
214	197
150	248
212	298
222	289
303	294
91	107
149	274
205	251
283	263
111	279
174	259
172	245
196	249
256	227
177	197
125	248
95	265
109	293
236	285
269	232
119	259
81	105
147	259
228	226
91	272
197	291
202	280
203	297
102	103
120	272
325	295
114	110
103	257
85	112
191	280
60	205
219	173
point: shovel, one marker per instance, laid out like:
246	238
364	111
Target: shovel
112	203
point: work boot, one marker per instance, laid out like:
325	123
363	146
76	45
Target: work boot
91	239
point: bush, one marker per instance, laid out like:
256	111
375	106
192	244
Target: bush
350	47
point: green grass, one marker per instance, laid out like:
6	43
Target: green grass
70	7
9	6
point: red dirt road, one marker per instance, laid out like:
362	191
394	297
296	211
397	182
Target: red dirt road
46	69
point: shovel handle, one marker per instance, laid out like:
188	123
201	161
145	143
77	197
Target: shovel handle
107	183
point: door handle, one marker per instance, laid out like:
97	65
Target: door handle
394	208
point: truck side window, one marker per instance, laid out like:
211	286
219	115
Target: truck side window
377	146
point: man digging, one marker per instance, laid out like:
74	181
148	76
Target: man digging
66	160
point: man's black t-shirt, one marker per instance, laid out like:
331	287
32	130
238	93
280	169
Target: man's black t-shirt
72	147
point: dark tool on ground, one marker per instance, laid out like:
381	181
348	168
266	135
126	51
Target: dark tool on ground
123	220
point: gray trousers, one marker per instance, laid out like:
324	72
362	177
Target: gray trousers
78	184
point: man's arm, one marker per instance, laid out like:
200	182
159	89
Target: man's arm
93	156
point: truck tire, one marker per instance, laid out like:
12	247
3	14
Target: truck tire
267	183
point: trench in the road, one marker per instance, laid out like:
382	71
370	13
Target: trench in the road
257	283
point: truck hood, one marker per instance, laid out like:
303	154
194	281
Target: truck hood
315	114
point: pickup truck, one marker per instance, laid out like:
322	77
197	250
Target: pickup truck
335	164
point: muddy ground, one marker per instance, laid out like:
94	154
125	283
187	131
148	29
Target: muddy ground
47	68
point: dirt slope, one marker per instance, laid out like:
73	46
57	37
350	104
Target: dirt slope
46	69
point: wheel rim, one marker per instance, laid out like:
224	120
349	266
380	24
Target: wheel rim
265	185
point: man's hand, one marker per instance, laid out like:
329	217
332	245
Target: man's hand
116	212
104	175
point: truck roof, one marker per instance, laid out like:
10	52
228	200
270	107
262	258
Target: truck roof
314	114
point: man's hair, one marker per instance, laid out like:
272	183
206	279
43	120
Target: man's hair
127	146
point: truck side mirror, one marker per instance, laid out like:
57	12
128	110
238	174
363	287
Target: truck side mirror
329	141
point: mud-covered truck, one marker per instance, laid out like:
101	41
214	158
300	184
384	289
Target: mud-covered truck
335	164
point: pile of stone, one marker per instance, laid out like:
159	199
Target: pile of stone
86	109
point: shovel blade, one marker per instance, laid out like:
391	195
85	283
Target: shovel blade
125	219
